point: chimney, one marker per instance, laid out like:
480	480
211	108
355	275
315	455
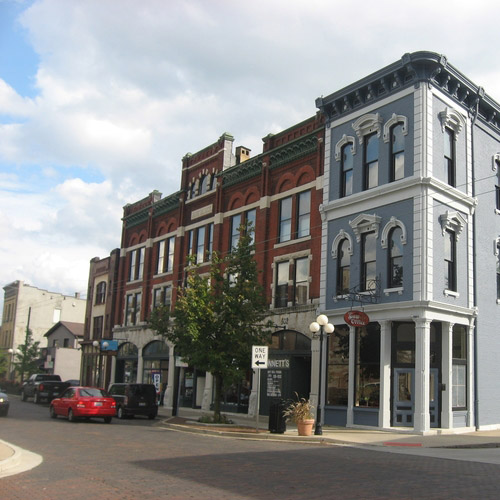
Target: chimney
242	154
77	295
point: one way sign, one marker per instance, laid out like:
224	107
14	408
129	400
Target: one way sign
259	356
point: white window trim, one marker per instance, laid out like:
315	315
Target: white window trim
393	120
452	119
365	223
342	235
346	139
453	221
393	222
367	124
495	162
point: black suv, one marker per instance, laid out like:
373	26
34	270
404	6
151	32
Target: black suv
134	399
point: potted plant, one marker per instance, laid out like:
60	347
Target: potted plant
301	413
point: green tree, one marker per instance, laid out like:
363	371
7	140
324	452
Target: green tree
4	363
218	317
26	360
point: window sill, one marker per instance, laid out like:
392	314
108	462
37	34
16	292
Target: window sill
399	290
451	293
292	242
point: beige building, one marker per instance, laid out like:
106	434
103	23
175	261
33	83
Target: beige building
25	305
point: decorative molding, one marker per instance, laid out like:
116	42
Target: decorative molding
293	151
393	120
452	221
342	235
242	172
346	139
452	119
496	245
387	229
496	162
365	223
367	124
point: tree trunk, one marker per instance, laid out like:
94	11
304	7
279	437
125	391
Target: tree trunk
217	396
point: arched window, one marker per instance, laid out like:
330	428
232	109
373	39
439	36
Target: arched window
193	190
204	184
397	152
100	293
343	267
395	258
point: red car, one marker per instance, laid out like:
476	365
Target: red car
86	402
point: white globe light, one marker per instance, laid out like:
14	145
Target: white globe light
329	328
322	319
314	327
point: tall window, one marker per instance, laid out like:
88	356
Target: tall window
459	362
301	280
100	293
346	171
190	243
370	158
343	267
303	214
97	327
497	197
162	296
132	308
449	156
367	366
338	367
285	223
282	275
368	261
204	184
498	271
251	220
200	245
395	258
235	231
136	266
397	152
450	265
165	262
210	240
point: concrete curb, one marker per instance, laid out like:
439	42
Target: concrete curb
20	461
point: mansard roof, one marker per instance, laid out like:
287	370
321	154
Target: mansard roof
412	70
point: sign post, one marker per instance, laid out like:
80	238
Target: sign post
259	362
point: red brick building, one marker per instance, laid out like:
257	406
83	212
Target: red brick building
280	191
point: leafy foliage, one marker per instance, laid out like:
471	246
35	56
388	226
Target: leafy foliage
26	360
4	363
218	317
300	410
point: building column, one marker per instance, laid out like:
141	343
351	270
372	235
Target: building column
384	417
207	393
140	365
352	370
447	376
113	370
422	371
168	398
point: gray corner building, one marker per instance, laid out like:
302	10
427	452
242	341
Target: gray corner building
410	273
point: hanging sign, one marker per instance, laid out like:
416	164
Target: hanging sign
356	318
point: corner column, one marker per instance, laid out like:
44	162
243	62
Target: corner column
422	372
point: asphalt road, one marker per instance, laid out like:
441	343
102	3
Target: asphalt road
138	459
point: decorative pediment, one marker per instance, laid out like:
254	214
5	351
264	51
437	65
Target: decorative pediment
496	162
346	139
367	124
452	119
393	120
387	229
452	221
342	235
365	223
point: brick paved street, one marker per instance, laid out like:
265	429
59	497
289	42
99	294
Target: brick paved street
137	459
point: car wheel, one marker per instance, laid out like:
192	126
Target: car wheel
107	420
53	413
71	417
23	396
151	416
120	413
36	398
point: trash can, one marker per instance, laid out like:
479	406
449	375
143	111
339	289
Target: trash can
277	421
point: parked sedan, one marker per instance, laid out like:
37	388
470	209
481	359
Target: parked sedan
84	402
4	404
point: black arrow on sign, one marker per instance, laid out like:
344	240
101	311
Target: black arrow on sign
260	363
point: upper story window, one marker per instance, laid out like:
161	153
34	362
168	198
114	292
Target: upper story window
395	258
343	266
295	224
370	162
100	293
235	231
346	169
136	264
368	261
165	261
281	288
133	308
210	240
251	220
498	269
162	296
200	243
450	268
397	152
204	184
449	156
97	327
301	281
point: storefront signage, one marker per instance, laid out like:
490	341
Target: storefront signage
278	363
356	318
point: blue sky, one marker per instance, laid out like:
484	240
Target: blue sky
100	100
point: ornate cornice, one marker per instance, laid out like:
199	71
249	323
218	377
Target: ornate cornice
241	172
166	205
293	151
412	70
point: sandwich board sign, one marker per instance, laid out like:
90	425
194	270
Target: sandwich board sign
259	356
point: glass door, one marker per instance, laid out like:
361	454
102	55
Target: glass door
403	402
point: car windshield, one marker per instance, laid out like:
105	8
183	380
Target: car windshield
48	378
91	392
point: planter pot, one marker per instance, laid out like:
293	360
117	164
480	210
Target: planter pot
305	427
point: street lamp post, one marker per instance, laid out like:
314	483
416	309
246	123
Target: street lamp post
322	326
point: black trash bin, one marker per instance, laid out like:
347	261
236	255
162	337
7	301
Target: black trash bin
277	421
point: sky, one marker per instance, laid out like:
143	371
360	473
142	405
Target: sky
101	99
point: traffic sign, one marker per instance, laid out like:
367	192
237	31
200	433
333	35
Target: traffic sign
259	356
